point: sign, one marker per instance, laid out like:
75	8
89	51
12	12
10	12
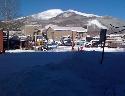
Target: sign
103	35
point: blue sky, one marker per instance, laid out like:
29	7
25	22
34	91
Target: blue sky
114	8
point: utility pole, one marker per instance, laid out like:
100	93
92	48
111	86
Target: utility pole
35	41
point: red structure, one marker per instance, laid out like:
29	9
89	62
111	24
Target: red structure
1	42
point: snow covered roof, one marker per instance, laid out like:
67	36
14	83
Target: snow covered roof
59	28
76	29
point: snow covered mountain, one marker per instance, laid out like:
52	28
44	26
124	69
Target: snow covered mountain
54	12
71	18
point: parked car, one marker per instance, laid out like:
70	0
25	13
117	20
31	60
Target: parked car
80	42
52	46
66	41
88	44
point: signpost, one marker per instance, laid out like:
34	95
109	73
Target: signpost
102	41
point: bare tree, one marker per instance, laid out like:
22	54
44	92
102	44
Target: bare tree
9	9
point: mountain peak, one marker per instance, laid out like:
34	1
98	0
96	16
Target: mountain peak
45	15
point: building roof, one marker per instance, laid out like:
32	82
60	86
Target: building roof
59	28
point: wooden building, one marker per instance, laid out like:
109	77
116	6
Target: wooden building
1	41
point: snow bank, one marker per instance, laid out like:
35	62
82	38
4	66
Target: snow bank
19	51
98	49
62	74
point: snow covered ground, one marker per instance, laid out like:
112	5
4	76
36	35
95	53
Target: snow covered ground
69	48
62	74
99	49
19	50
